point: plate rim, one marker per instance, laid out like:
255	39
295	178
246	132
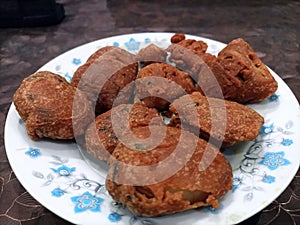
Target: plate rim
12	108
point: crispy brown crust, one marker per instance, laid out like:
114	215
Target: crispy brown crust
100	136
159	93
176	38
233	122
236	74
213	80
197	47
80	70
106	75
190	187
118	89
255	82
44	101
151	53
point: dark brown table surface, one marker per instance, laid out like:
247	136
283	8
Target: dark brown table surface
271	27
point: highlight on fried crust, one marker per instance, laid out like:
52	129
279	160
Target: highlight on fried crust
221	120
255	82
239	72
194	178
158	84
103	134
44	101
106	75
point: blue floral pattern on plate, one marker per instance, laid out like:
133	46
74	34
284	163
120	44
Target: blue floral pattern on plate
114	217
57	192
273	160
83	202
87	201
132	45
64	170
259	156
76	61
33	152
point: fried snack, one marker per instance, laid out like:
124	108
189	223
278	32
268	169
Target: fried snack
176	38
254	81
182	172
150	54
158	84
81	69
185	54
197	47
236	74
100	137
45	101
225	122
107	75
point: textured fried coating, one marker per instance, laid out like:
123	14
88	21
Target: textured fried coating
254	81
151	53
185	54
236	74
101	138
226	122
158	84
186	60
197	47
212	79
45	101
178	37
107	76
81	69
167	179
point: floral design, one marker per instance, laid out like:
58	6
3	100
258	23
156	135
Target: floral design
268	179
273	98
237	181
64	170
132	45
147	40
114	217
33	152
70	183
119	210
286	142
87	201
250	174
274	159
247	178
76	61
57	192
68	77
267	129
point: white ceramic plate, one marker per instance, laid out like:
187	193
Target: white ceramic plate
57	176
